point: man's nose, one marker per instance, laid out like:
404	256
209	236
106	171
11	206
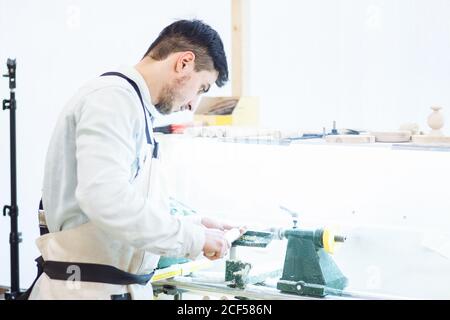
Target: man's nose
187	106
191	105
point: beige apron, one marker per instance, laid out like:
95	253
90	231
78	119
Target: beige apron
89	244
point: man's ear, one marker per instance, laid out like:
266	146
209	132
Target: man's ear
185	62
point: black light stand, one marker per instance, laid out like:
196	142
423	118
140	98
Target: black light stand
12	210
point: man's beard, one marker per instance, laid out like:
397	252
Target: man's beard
168	95
166	99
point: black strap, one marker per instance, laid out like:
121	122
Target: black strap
136	88
138	92
43	228
26	294
91	272
125	296
88	272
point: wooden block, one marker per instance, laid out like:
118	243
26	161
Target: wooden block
350	138
424	139
393	136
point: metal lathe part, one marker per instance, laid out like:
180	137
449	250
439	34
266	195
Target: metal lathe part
339	238
278	233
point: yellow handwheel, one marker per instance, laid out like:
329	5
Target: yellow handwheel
328	240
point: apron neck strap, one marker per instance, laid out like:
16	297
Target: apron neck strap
138	92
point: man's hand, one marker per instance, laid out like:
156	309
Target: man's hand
216	246
212	223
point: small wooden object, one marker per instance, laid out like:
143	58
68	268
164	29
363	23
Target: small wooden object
392	137
350	138
436	123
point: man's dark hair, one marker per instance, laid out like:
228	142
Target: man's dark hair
195	36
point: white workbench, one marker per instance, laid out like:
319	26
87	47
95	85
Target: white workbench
394	205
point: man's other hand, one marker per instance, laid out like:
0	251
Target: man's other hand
212	223
216	246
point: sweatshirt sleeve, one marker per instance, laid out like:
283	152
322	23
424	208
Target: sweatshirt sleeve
106	140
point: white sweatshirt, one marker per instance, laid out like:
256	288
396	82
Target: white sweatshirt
93	158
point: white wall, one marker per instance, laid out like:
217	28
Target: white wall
371	64
59	45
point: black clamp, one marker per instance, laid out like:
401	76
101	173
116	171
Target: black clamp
13	211
10	103
5	209
11	64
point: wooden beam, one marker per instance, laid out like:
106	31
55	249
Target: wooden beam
239	13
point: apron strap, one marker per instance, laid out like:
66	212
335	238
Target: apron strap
125	296
43	228
92	272
89	272
26	294
138	92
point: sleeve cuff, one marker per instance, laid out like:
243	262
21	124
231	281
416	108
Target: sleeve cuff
197	241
